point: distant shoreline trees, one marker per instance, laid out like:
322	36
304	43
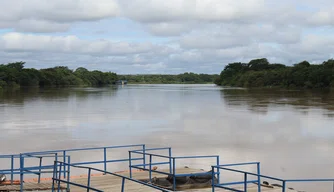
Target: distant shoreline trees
184	78
15	75
260	73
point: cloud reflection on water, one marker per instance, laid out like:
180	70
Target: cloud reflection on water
288	131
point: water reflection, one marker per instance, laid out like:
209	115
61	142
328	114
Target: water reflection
28	94
290	132
259	100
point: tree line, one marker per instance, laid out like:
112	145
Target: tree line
185	78
14	75
261	73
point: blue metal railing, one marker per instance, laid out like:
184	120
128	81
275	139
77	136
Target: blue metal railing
37	170
57	178
62	169
258	175
171	162
224	185
56	155
12	170
105	161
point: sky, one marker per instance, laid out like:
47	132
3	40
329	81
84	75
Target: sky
159	36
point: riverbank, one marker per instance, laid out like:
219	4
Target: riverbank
261	73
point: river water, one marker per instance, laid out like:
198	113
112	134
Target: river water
290	132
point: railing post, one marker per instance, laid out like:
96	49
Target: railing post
105	159
88	181
150	168
258	177
12	170
245	182
64	159
68	174
56	157
170	159
283	187
218	170
144	156
123	182
213	178
59	175
174	179
130	166
40	169
54	175
21	171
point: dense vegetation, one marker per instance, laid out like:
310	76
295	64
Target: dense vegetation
185	78
260	73
14	74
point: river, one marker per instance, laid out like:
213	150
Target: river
290	132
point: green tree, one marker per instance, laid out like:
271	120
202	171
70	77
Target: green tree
14	74
260	73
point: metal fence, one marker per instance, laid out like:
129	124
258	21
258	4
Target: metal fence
61	163
56	155
170	160
56	179
246	181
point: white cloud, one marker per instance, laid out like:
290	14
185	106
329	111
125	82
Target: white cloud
53	16
233	35
58	11
169	28
70	44
176	10
163	15
322	18
170	36
41	26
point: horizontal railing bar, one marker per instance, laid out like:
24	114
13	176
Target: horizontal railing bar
117	175
109	161
37	173
80	163
42	153
236	164
18	172
249	173
154	155
42	156
35	156
153	149
161	163
37	167
9	156
181	157
29	169
76	184
86	149
17	169
198	156
29	156
14	173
